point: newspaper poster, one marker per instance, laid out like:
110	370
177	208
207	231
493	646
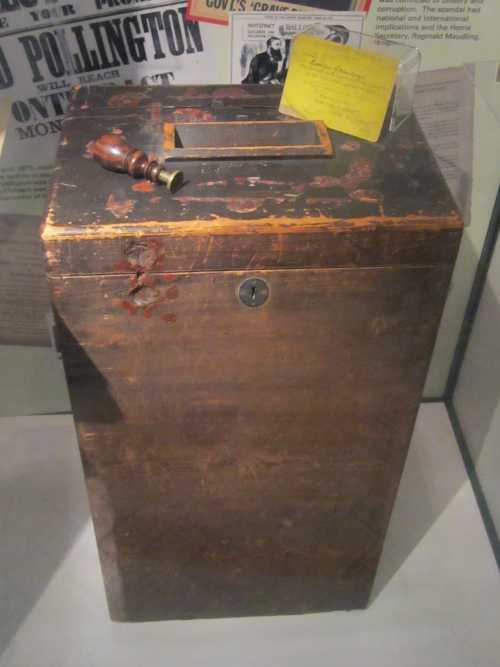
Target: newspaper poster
260	43
218	11
46	48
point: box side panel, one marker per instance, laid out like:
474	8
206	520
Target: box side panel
241	460
370	244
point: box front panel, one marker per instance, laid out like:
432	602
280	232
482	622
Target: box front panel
244	460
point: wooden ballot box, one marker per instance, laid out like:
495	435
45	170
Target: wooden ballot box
245	355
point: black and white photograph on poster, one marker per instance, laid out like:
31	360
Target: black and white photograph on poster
260	43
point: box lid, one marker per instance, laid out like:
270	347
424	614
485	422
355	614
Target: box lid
366	205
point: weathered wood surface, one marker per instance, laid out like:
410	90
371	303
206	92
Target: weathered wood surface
369	204
244	461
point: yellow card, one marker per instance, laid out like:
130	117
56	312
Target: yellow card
348	89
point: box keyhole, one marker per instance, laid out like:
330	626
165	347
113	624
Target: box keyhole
253	292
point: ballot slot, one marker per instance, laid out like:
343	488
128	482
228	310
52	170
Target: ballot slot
246	139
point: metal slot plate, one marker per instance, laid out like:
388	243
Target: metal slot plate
246	139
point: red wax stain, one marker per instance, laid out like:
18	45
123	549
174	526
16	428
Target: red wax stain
89	150
170	276
193	114
359	170
240	180
213	184
366	196
155	200
300	187
122	265
324	181
148	311
172	292
119	207
243	205
129	307
143	186
270	182
169	318
126	100
350	146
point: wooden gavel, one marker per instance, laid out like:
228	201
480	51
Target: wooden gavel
113	153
